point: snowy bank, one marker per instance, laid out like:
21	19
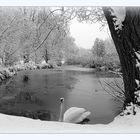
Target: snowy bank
121	124
5	73
8	72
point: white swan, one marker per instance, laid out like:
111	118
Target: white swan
73	114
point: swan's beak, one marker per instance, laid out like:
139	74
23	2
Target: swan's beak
61	100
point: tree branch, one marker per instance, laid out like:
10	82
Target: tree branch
8	26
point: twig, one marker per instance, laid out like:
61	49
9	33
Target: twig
110	92
118	73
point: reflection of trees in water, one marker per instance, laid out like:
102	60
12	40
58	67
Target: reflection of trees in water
118	106
27	97
7	87
11	107
70	79
25	78
40	114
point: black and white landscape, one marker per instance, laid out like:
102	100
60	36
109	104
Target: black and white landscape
69	69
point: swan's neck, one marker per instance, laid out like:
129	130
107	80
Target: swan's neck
61	112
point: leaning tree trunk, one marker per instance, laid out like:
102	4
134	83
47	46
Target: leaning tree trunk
127	42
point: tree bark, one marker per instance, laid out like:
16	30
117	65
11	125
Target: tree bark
127	42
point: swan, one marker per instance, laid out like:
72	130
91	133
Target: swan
73	114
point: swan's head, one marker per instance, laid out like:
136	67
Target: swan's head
61	100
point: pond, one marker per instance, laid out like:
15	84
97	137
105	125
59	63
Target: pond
36	94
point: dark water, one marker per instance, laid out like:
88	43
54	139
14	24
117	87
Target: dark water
36	94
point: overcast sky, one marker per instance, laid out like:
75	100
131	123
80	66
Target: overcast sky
86	33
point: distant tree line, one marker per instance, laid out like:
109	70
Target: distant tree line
104	55
101	54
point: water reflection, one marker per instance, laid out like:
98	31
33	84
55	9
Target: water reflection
25	78
37	95
16	106
28	97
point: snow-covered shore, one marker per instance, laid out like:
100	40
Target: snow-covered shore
8	72
121	124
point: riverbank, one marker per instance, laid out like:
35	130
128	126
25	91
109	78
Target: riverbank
121	124
8	72
99	73
5	74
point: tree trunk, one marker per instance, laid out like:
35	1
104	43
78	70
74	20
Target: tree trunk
127	42
46	56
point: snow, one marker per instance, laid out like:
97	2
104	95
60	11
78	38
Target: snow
121	124
138	55
119	12
43	62
119	16
118	23
137	93
138	83
137	64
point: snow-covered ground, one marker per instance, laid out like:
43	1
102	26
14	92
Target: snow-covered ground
121	124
